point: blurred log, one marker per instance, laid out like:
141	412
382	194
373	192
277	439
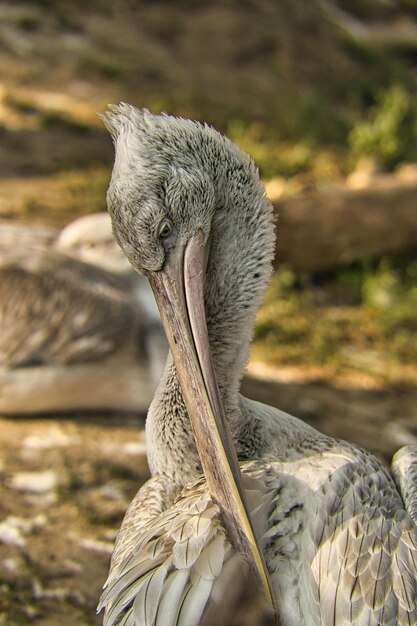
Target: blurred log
396	31
318	230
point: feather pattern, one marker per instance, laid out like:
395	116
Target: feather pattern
178	554
404	469
349	559
173	592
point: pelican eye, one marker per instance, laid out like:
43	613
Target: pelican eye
165	229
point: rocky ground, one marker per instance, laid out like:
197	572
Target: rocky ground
65	486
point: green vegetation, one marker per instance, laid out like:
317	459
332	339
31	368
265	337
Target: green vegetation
389	131
360	320
385	130
273	157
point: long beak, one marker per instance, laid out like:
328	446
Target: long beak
179	292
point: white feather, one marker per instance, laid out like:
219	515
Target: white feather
115	609
128	619
210	562
148	596
170	600
195	601
186	553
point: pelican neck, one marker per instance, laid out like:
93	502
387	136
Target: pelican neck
238	267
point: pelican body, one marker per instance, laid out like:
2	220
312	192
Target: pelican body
239	490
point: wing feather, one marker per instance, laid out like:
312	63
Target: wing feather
195	601
404	469
117	605
128	619
354	559
174	589
335	558
365	566
173	562
147	597
209	564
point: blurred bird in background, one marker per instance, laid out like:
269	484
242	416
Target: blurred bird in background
78	328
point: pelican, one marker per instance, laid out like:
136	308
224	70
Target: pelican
326	532
78	329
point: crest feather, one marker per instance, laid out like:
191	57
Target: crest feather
120	116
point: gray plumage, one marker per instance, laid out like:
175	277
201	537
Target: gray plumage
337	528
74	330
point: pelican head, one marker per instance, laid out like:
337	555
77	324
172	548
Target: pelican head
165	193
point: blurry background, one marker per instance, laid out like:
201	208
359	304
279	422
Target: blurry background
322	94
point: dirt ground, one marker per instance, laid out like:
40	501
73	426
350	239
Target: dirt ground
66	482
65	486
